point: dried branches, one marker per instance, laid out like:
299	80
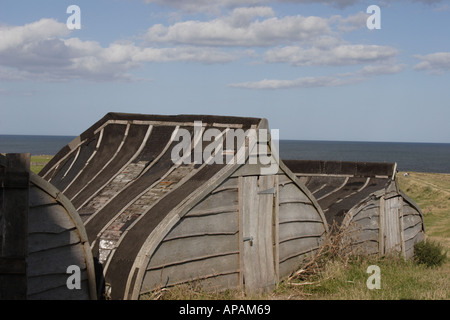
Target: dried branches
336	246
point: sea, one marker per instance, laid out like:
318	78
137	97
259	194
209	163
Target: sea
420	157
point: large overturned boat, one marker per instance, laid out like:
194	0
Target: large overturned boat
153	222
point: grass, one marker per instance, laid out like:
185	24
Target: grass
399	279
39	162
431	191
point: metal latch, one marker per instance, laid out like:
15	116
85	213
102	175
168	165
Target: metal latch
248	239
268	191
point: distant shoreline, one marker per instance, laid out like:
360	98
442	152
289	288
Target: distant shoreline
419	157
36	165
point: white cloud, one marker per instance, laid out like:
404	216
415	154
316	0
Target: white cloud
321	81
193	4
205	5
45	50
437	63
216	6
41	51
33	45
382	69
297	40
300	83
244	27
350	23
342	54
190	54
14	36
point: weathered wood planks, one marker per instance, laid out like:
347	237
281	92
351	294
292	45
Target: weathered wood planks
49	234
239	236
14	182
202	247
57	240
365	201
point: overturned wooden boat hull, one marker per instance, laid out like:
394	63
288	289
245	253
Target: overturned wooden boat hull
365	199
154	223
42	238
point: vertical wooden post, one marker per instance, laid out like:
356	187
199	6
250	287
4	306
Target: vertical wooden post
381	226
14	186
241	232
256	207
392	226
266	191
249	211
401	228
276	229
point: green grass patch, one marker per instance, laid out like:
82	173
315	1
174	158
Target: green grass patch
431	191
39	162
399	279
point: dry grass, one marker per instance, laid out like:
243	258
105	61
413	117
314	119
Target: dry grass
431	191
335	247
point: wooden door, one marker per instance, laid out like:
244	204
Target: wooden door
258	272
391	227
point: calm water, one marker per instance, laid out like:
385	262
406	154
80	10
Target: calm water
36	145
424	157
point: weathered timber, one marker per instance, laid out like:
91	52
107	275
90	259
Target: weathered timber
42	235
364	199
14	178
154	223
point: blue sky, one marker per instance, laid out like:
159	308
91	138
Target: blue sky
312	68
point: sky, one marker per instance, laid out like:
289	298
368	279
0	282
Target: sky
317	70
